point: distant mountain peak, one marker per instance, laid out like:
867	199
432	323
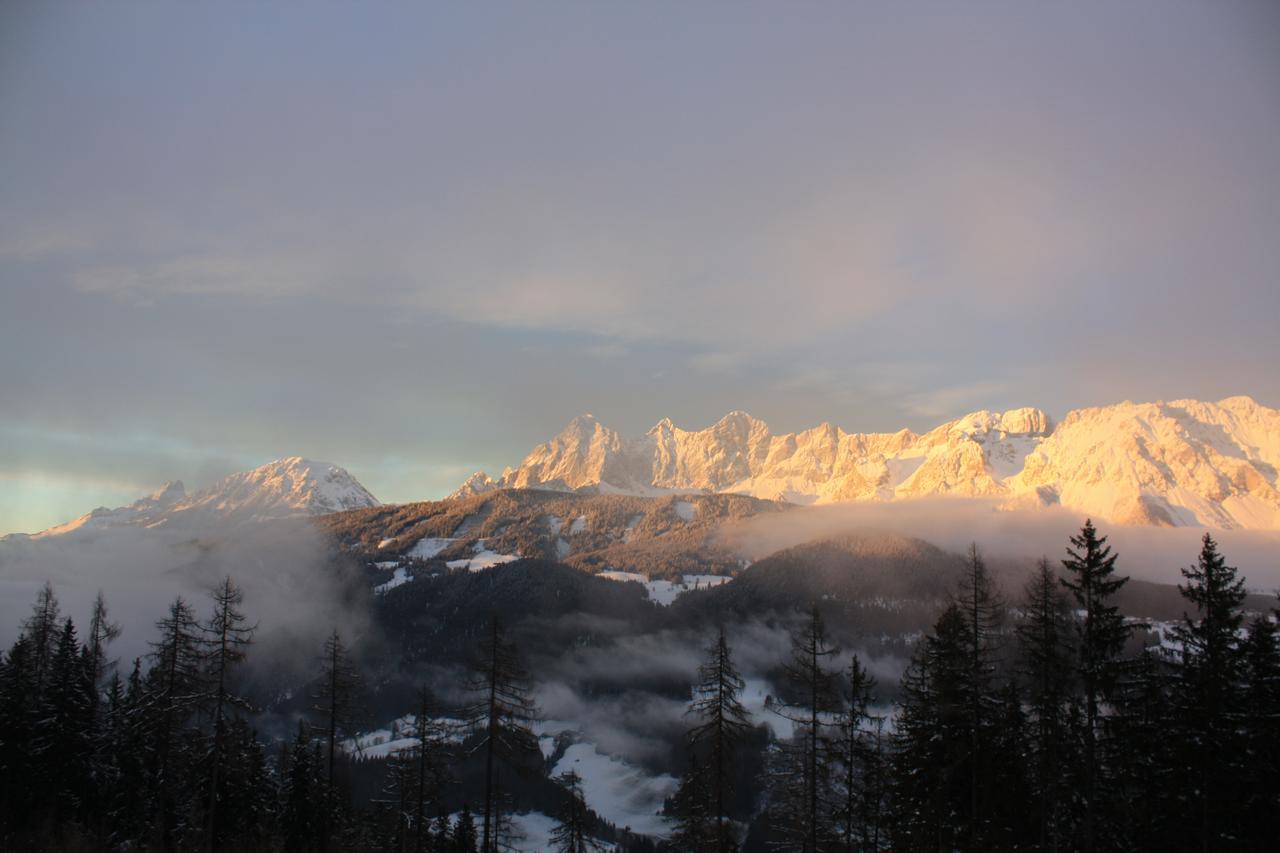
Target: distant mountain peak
292	486
1183	462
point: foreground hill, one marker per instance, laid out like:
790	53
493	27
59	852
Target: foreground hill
1178	463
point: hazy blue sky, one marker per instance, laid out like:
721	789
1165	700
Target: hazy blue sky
415	240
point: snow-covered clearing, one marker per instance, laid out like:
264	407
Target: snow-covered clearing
620	793
664	592
427	548
579	525
483	559
400	734
400	577
685	510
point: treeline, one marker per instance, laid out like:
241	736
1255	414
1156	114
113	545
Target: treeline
166	758
1031	726
1043	723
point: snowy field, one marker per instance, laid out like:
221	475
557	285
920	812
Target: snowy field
620	793
664	592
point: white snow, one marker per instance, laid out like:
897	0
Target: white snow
555	522
398	735
400	578
1180	462
562	548
484	559
618	792
664	592
425	549
579	525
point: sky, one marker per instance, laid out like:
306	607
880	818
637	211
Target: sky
414	240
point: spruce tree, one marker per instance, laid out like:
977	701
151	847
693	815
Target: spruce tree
18	718
802	794
1261	732
335	698
302	820
570	832
42	628
1101	635
175	684
857	754
102	632
1207	696
501	714
464	832
982	608
930	789
62	743
420	773
1144	797
721	724
1045	654
226	635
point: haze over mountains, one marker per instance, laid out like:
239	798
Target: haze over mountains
1178	463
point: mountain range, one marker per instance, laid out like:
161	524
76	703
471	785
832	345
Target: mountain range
1178	463
1168	464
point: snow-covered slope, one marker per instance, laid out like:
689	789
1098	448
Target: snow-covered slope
280	489
1178	463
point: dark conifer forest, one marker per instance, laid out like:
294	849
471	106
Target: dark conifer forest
1032	718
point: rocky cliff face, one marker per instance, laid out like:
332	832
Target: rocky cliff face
1178	463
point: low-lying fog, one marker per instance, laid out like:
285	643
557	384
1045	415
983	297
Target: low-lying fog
1150	553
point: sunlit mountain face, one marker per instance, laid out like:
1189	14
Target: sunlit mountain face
934	582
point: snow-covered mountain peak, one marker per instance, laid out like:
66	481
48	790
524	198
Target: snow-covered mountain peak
1183	462
290	486
293	486
167	495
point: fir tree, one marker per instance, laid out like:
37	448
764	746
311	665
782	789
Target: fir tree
1045	664
420	773
1102	633
301	816
464	832
1261	732
175	684
335	698
721	724
501	714
42	628
1207	693
1142	793
983	613
857	752
102	632
932	743
814	700
18	717
570	832
63	746
227	635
